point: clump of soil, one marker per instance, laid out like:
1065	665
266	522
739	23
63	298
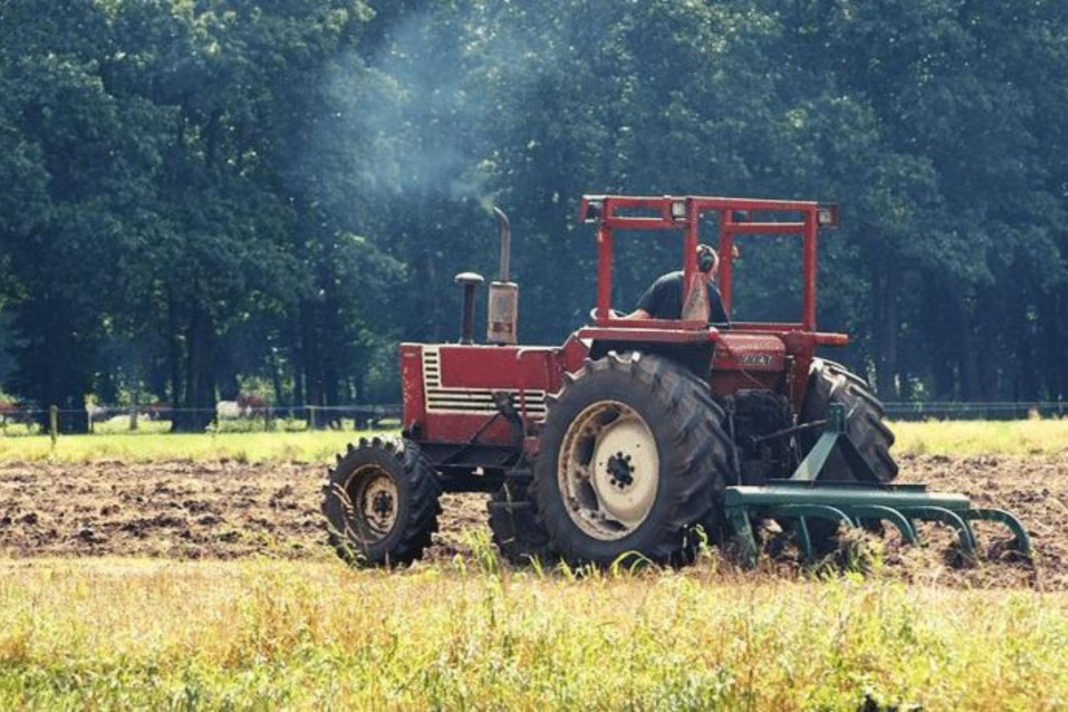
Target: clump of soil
1034	488
229	510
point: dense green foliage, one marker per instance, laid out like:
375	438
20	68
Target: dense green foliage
200	196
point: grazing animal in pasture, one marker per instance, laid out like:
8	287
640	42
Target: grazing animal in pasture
252	405
246	407
15	413
157	410
96	413
229	410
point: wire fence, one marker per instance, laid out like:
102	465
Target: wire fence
951	410
163	419
96	419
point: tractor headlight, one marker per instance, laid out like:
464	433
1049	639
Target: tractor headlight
827	215
678	210
594	211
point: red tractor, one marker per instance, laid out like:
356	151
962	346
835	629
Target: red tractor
636	434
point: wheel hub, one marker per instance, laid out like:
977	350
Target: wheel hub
620	471
382	505
373	495
609	470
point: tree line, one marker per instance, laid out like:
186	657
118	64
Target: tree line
200	197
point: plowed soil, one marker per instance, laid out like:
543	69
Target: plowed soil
230	510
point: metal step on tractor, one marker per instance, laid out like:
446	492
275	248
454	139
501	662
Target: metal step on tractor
639	437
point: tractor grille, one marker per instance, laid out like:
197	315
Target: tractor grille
440	399
431	367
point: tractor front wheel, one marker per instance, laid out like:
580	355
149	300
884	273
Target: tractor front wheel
631	457
381	503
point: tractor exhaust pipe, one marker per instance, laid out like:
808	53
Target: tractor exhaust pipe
506	243
470	281
503	309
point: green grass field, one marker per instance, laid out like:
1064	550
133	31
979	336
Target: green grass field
281	446
1025	437
139	634
1012	437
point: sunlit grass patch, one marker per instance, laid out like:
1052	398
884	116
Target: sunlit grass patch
982	437
313	446
1024	437
109	633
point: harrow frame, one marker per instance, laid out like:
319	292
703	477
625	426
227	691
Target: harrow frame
853	498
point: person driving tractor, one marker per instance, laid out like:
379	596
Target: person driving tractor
663	299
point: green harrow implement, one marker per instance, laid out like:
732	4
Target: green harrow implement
854	498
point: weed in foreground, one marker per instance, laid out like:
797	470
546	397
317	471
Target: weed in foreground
120	633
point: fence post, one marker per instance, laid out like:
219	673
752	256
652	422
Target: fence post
53	424
311	417
135	406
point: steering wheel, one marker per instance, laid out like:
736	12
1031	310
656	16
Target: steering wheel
612	314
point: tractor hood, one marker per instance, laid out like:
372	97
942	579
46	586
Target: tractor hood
749	352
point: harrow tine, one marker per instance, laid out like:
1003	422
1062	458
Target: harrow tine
1022	542
946	516
886	514
804	539
738	517
816	511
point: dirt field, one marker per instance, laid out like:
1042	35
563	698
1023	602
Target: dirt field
229	510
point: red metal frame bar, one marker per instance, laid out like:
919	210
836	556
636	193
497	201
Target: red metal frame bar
610	219
759	228
726	260
662	331
604	271
808	276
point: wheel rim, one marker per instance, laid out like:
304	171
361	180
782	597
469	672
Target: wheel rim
374	501
608	470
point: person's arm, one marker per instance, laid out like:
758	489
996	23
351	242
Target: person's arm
650	301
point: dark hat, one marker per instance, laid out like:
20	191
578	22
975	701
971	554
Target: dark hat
707	259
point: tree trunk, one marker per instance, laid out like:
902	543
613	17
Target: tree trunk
174	360
1054	323
199	386
276	382
886	333
311	350
971	381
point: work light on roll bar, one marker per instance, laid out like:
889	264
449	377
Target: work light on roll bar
678	210
594	211
827	215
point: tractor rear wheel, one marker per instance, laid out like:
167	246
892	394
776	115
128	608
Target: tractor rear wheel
830	383
632	455
381	503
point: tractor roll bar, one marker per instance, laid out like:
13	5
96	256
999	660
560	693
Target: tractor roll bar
668	212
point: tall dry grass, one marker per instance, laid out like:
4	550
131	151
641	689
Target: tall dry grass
982	437
138	634
281	446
